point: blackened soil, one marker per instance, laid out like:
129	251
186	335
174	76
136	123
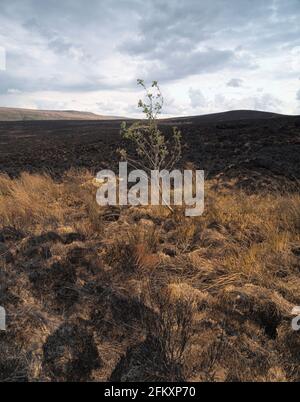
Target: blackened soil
263	149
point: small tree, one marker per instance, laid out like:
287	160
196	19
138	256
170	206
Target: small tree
153	150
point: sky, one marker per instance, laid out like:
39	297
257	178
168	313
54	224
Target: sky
208	55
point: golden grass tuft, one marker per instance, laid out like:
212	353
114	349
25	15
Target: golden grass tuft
30	200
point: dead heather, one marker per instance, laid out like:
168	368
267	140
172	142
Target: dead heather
134	294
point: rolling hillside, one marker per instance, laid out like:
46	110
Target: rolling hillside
16	114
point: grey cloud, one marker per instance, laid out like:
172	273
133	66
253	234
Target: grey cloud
263	102
175	37
267	102
180	64
71	45
195	21
61	45
167	28
58	82
57	41
197	99
192	21
235	83
298	95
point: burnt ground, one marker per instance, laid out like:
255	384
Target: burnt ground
140	295
226	145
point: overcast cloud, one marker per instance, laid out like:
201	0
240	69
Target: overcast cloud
208	56
235	83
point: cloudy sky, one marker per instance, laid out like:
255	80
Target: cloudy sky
208	55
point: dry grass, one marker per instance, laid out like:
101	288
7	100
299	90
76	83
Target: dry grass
30	200
219	286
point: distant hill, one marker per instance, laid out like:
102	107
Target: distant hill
233	115
18	114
